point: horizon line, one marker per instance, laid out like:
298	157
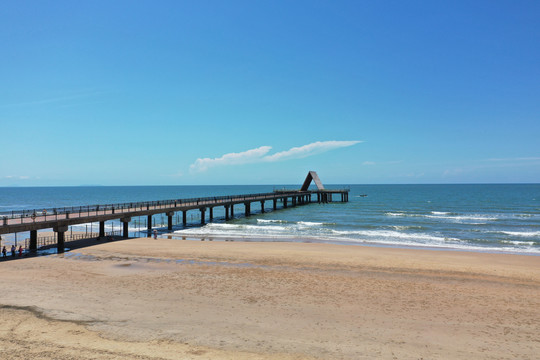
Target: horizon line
283	184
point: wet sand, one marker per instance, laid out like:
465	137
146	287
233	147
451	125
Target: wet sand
174	299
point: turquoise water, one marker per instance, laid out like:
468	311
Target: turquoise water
464	217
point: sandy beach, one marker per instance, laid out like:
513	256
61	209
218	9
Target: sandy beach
174	299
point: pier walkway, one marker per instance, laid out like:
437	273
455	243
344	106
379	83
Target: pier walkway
59	219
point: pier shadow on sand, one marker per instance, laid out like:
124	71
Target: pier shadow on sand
70	246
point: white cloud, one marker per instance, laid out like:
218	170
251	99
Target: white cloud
412	175
367	163
245	157
177	174
259	155
21	177
452	172
309	150
70	96
516	159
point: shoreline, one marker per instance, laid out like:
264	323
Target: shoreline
227	238
308	240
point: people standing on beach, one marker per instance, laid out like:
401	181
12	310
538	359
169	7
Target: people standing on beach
13	250
155	234
20	251
4	252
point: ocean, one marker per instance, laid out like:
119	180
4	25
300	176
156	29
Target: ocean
476	217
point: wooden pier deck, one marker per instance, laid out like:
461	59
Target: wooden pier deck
59	219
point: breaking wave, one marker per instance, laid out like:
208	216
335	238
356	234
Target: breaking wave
446	216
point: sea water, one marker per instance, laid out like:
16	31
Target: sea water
491	217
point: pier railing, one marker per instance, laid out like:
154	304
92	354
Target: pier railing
65	212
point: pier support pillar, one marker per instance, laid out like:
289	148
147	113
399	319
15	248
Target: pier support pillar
211	214
60	234
101	229
248	208
184	217
33	240
262	206
285	202
293	200
60	247
275	204
226	213
232	211
125	223
149	226
169	220
202	215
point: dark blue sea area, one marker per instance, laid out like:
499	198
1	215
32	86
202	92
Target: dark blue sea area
475	217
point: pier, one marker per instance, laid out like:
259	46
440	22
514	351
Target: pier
59	219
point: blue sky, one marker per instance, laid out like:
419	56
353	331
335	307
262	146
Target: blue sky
260	92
